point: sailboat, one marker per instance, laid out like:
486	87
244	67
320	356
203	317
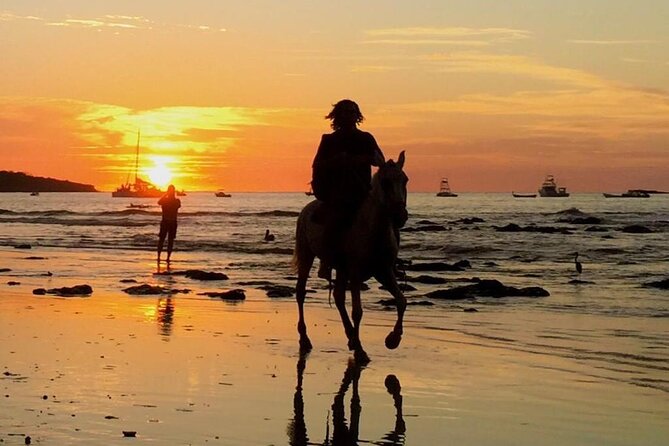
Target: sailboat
140	188
445	189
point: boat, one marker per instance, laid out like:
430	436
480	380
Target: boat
445	189
34	194
140	188
629	194
549	188
515	195
222	194
181	193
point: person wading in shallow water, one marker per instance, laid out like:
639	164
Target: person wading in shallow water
341	176
168	225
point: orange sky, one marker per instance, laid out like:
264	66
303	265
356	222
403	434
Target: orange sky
493	95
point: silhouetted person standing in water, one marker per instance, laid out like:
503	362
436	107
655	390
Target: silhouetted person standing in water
342	175
168	225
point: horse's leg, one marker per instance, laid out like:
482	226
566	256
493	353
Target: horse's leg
390	282
306	261
356	312
340	302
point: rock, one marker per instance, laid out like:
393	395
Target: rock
23	246
463	264
470	310
662	284
425	222
278	290
580	282
196	274
487	288
130	433
403	287
77	290
512	227
426	228
34	258
149	290
5	270
491	264
236	294
13	283
128	281
636	229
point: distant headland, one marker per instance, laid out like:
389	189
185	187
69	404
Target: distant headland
22	182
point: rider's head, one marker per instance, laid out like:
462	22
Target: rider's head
170	189
345	114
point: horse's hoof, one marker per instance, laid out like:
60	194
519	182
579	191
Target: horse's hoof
361	357
305	345
393	340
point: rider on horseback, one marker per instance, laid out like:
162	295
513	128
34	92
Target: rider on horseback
341	176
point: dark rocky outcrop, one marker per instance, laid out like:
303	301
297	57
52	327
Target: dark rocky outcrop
77	290
596	229
150	290
128	281
580	282
23	246
403	287
13	283
512	227
195	274
571	211
231	295
278	290
35	258
21	182
636	229
425	228
487	288
5	270
662	284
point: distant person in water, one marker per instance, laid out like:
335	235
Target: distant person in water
269	237
342	175
168	225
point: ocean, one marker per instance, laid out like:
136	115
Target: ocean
606	330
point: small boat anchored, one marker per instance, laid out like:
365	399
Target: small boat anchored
515	195
140	188
549	188
632	193
445	189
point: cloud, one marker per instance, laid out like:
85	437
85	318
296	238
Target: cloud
117	22
455	36
478	62
611	42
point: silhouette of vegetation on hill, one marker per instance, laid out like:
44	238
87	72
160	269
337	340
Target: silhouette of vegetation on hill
22	182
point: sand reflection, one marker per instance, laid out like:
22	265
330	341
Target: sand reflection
165	317
344	432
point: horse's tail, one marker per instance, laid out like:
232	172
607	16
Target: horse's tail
299	243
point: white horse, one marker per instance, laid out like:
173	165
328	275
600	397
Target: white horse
369	249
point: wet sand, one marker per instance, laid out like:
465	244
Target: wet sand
194	370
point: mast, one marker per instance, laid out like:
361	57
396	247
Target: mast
137	157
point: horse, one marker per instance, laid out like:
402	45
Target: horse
368	249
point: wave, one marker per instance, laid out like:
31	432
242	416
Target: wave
127	212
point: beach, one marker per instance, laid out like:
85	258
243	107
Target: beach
586	365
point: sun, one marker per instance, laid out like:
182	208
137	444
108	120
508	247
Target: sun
160	175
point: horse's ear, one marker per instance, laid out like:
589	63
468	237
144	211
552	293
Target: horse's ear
400	160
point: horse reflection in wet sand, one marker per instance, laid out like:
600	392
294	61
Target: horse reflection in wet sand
344	434
368	249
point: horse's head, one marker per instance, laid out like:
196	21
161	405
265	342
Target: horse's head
389	187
